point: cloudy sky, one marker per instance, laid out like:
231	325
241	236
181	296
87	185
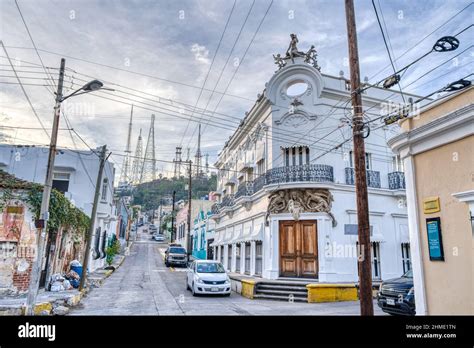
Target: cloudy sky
158	55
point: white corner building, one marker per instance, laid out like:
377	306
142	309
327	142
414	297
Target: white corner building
287	206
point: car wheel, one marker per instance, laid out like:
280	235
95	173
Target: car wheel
192	290
187	285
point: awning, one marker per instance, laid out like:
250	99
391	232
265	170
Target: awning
257	233
404	235
237	235
218	238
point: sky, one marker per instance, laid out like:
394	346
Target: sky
167	58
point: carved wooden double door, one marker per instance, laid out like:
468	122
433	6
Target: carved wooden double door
298	249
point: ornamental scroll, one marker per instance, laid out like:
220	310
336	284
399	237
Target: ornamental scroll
299	201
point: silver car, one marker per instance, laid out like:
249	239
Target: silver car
207	277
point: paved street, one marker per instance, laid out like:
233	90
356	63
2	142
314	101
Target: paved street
143	285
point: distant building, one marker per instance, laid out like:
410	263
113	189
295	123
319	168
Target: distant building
75	175
182	220
203	235
437	149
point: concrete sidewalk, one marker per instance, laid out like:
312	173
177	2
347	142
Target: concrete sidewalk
59	302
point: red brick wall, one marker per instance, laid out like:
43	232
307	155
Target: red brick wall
21	280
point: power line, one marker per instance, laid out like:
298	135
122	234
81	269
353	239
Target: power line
242	60
24	91
210	68
225	65
386	45
423	39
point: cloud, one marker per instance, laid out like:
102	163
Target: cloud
171	54
201	53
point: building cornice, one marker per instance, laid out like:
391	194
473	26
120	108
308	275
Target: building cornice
453	126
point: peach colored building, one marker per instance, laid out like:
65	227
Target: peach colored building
437	148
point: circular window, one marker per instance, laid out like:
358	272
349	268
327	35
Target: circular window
296	88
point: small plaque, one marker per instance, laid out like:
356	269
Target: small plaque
431	205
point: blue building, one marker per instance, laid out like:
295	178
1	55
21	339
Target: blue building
203	235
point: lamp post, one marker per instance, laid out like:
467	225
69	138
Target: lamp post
41	222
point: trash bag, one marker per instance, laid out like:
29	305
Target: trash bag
75	263
74	283
57	286
67	284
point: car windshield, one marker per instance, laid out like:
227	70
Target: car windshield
177	251
409	274
210	268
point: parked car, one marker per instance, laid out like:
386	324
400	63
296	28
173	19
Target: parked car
397	296
159	237
207	277
176	255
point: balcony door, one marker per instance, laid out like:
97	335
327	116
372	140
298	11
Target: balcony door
298	249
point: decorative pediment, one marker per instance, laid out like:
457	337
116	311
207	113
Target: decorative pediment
297	201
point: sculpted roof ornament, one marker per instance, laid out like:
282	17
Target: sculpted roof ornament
292	52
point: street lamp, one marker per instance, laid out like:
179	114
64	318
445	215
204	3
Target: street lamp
41	222
91	86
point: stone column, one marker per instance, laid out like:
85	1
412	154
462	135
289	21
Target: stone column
242	258
226	256
253	256
234	251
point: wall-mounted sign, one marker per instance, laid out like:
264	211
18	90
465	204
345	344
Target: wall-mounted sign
351	229
431	205
435	242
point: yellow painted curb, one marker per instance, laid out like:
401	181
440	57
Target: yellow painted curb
331	293
40	307
248	288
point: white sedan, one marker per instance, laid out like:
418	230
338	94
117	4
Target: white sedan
207	277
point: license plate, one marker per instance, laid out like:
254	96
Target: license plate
391	301
214	289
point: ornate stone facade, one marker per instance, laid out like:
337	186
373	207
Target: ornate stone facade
297	201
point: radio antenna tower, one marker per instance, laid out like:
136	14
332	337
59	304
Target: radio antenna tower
177	162
137	161
198	156
125	178
149	162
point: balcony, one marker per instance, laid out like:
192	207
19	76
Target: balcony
227	201
373	178
215	208
304	173
396	181
244	189
259	182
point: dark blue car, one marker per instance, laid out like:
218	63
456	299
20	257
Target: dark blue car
397	296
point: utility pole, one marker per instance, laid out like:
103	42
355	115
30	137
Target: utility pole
41	223
161	211
188	239
173	236
365	272
98	185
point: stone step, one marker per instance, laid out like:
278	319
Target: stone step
278	297
283	293
282	287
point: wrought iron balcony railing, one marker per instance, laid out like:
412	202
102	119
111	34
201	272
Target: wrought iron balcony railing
215	208
307	173
373	178
244	189
259	182
227	201
396	181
